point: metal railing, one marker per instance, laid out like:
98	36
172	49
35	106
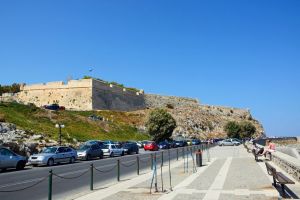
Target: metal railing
186	153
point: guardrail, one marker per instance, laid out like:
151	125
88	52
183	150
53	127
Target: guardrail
186	152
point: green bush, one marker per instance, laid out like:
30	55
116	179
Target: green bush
233	129
160	125
244	129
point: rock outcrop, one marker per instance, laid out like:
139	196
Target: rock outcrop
20	141
202	121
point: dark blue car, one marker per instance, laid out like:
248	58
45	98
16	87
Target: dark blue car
196	142
164	145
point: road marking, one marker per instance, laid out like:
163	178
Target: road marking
215	189
38	179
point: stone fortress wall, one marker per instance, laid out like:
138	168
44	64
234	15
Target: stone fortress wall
111	97
76	94
84	94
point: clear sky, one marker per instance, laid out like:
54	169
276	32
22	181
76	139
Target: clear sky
242	53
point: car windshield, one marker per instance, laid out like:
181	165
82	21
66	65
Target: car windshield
50	150
84	147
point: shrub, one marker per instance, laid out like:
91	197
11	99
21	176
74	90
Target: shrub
233	129
160	125
243	129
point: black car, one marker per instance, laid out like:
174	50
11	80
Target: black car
130	148
164	145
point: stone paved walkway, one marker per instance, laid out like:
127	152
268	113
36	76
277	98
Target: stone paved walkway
232	173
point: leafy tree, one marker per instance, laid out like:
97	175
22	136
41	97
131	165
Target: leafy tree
247	129
243	129
160	125
233	129
14	88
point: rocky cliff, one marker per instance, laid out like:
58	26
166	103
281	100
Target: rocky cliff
203	121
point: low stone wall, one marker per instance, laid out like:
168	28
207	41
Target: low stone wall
287	163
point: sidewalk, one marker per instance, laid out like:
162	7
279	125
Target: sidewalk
232	173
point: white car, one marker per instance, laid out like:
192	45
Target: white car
51	155
229	142
112	150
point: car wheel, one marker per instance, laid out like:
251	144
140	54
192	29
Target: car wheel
112	154
122	153
20	165
72	160
34	165
101	156
88	157
50	162
137	152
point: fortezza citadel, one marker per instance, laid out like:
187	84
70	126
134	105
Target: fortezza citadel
93	94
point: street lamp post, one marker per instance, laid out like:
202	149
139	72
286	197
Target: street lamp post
60	126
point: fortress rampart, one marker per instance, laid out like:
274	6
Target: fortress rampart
84	94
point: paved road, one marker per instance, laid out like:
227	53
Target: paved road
17	180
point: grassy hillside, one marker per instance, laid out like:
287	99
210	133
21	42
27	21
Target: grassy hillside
120	125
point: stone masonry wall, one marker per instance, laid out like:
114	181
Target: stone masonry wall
84	94
76	94
288	163
111	97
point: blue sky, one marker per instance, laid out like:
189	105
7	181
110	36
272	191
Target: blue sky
242	53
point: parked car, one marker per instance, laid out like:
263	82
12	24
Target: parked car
151	146
173	144
130	148
108	142
53	155
181	143
91	142
112	150
139	143
229	142
144	142
196	142
88	152
54	107
164	145
9	159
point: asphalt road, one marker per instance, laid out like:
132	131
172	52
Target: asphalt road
13	182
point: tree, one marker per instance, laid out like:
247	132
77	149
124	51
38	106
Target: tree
247	129
233	129
243	129
160	125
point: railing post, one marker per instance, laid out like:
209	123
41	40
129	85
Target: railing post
92	177
50	185
162	158
138	165
118	170
177	152
151	161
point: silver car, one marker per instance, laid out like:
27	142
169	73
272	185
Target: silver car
9	159
112	150
51	155
87	152
229	142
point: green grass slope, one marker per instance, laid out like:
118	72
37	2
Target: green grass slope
118	126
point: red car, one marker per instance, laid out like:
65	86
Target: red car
151	146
